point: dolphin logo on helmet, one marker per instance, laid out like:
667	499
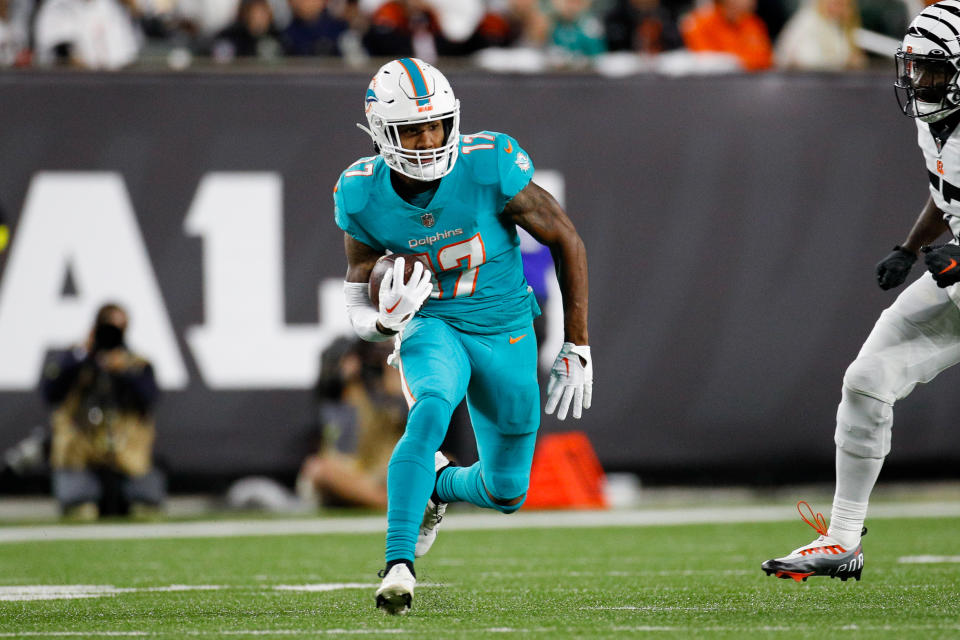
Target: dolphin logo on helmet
410	91
928	62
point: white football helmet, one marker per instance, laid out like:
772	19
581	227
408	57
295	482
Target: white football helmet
928	62
411	91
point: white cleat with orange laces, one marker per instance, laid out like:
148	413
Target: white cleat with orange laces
825	556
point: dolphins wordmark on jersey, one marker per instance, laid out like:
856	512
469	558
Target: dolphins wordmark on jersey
474	252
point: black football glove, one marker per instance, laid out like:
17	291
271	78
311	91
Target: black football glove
944	263
893	270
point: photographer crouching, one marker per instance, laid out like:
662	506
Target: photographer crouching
102	424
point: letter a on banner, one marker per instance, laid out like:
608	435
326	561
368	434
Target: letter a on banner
81	224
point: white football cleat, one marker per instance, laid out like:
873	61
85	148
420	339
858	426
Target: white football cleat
395	594
432	515
825	556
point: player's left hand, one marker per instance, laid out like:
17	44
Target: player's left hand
571	381
944	263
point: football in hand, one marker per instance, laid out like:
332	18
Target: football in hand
384	264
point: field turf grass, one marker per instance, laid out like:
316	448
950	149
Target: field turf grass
693	581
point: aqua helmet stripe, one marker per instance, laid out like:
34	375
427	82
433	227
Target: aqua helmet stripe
419	83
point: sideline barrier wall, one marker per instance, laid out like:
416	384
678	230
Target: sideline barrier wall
732	226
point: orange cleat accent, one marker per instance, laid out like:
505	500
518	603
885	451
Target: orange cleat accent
799	577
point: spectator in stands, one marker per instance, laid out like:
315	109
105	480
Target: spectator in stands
252	34
643	26
519	24
14	35
729	26
103	396
530	26
94	34
889	17
576	30
775	14
166	25
362	414
314	30
819	37
467	26
403	28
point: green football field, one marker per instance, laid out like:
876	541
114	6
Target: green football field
678	581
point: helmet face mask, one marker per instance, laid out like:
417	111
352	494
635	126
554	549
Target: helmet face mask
928	63
926	85
405	92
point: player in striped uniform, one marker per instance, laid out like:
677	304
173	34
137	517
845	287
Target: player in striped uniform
919	335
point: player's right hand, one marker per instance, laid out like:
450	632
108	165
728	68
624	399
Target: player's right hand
893	270
399	301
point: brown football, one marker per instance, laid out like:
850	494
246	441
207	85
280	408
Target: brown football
385	263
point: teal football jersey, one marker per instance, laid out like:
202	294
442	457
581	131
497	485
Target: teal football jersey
474	253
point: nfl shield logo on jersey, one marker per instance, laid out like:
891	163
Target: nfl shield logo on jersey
428	220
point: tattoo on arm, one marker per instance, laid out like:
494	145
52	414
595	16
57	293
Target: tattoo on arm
538	213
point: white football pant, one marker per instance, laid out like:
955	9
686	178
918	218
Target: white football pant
914	339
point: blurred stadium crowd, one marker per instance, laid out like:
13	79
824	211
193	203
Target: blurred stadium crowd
502	35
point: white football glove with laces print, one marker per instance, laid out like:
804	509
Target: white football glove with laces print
399	301
571	381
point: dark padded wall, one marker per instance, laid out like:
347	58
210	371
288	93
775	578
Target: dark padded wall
732	225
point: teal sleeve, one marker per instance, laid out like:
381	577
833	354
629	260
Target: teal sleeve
514	165
350	225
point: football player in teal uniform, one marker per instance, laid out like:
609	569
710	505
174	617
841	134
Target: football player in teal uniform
465	326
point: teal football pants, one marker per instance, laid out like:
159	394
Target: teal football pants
498	375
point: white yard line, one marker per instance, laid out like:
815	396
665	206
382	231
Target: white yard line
15	593
455	521
928	559
27	592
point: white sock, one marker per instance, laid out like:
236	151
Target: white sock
855	479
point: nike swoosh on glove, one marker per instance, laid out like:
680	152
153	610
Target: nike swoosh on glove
944	263
571	381
399	301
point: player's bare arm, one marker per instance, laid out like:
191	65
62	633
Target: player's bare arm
538	213
928	227
360	259
893	269
571	378
943	262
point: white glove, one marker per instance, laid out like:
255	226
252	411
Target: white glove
399	301
570	381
